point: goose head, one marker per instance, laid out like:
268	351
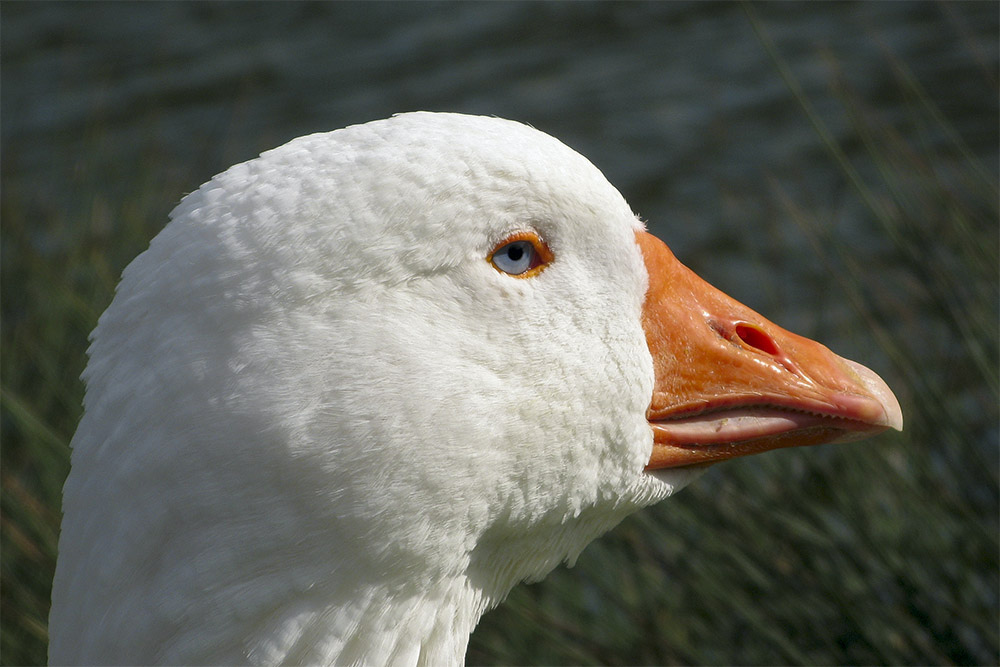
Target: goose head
361	386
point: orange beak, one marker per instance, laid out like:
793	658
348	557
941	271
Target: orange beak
730	383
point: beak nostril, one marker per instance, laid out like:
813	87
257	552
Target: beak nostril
758	339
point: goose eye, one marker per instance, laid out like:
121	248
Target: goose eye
515	258
522	255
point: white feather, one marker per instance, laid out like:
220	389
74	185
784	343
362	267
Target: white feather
320	427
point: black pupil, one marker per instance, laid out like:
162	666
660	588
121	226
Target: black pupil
515	252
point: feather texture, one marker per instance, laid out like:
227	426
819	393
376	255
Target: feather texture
320	427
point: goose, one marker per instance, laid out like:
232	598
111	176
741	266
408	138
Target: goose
361	386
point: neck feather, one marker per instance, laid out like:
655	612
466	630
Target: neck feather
416	625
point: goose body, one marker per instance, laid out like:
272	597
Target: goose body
361	386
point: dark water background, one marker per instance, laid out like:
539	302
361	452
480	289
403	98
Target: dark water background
111	111
677	103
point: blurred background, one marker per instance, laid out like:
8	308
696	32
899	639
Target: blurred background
832	165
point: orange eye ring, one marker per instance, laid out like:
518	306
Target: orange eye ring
521	255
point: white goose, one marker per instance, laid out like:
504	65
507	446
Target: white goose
361	386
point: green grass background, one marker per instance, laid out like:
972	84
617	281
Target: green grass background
883	552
